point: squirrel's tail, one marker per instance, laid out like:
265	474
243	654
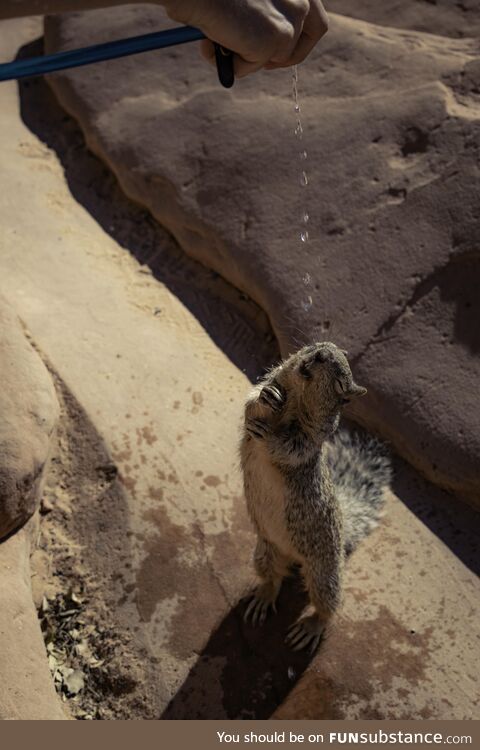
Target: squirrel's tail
361	469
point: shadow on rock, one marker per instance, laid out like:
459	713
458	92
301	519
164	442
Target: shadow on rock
236	324
244	672
454	522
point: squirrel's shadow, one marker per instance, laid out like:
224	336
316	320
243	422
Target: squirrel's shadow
244	672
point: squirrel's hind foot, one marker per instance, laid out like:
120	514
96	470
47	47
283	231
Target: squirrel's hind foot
307	632
262	600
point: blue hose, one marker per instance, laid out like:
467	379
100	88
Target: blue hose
35	66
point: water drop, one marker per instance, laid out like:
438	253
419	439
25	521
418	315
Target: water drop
304	235
294	83
299	129
307	304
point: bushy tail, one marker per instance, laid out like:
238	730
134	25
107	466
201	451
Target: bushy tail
361	469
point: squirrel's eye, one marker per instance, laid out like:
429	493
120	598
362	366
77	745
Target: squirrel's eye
304	371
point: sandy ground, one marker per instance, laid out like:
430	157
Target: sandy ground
144	549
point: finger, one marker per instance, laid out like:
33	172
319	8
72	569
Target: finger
287	43
243	67
314	28
302	50
207	50
316	22
296	13
288	32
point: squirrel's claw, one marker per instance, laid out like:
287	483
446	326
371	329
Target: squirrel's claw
312	641
256	428
306	632
272	396
257	609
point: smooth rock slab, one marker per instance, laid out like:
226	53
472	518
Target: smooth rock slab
29	410
391	121
438	17
385	656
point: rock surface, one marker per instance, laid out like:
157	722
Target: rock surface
381	660
392	130
29	410
455	19
146	519
26	691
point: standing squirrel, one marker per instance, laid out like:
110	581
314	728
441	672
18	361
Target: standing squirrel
311	498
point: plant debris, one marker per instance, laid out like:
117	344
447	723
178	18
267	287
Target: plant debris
79	651
99	667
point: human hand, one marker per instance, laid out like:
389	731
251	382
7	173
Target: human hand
262	33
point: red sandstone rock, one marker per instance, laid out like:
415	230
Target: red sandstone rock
29	409
27	690
438	17
391	123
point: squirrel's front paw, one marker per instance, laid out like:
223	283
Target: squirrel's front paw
272	396
257	428
262	599
306	632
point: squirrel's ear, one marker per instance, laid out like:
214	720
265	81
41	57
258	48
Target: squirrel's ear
349	390
356	390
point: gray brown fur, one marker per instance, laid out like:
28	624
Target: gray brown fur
311	498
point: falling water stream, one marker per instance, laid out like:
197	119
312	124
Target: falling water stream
302	154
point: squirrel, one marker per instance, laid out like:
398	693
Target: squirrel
312	495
